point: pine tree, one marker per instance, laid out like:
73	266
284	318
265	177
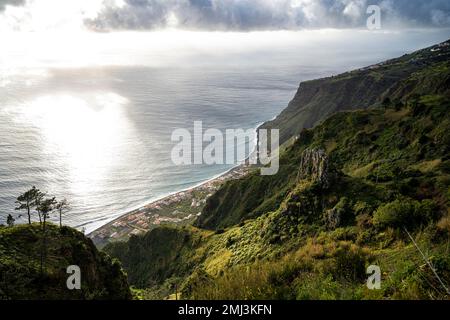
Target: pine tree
29	200
62	207
45	207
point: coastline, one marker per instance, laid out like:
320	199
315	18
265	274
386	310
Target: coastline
199	193
178	208
159	198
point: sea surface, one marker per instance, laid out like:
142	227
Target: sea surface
100	135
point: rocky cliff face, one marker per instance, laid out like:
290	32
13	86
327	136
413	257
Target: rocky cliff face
360	89
314	166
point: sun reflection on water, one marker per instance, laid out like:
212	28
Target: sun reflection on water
88	133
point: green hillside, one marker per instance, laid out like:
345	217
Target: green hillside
20	266
348	193
365	186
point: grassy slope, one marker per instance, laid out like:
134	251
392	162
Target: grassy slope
20	277
289	236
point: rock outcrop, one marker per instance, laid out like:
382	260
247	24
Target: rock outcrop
314	166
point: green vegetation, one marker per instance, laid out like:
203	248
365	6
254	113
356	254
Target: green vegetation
405	213
34	257
347	193
363	187
311	236
21	276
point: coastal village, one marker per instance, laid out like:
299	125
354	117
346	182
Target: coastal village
176	209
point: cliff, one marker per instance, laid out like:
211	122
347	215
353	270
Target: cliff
364	88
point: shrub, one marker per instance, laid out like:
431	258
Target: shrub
364	221
198	279
344	234
441	263
350	263
405	213
318	287
361	208
394	214
444	224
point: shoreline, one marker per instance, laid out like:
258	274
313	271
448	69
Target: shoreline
163	197
215	179
177	208
160	198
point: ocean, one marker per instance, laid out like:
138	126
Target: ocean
100	134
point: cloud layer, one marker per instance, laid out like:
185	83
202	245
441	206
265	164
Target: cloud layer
4	3
266	14
243	15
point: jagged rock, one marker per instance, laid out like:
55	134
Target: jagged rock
314	166
333	218
338	216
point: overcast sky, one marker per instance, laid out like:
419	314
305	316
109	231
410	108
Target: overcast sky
223	15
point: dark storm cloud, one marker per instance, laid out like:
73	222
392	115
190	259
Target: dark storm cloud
426	12
267	14
198	14
4	3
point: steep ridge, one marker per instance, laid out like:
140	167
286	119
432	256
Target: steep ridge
360	89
